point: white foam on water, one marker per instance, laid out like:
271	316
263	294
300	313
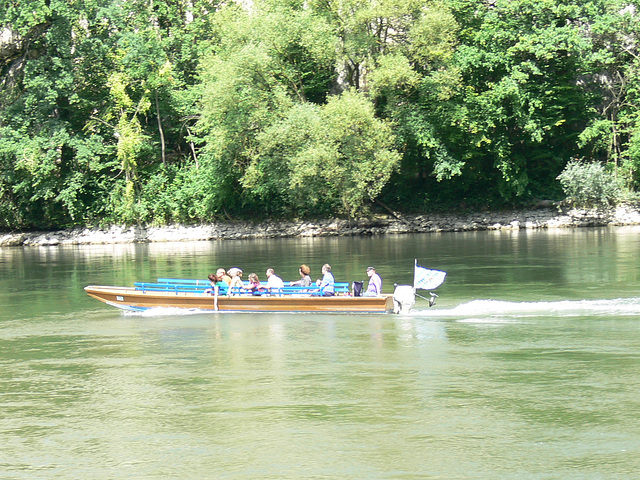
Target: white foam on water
486	308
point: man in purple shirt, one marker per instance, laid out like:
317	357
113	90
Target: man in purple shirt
375	283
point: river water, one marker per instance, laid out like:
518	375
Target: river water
527	367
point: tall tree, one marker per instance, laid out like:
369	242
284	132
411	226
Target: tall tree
614	134
257	74
91	105
336	157
50	171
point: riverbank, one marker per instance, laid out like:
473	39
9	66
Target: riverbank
545	217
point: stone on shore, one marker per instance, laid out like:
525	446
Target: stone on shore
544	217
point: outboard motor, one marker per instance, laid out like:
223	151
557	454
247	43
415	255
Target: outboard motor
404	297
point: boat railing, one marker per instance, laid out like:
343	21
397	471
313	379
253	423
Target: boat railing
173	287
184	281
341	287
196	286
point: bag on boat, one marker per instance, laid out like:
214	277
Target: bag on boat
357	289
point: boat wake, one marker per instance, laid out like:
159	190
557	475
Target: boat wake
564	308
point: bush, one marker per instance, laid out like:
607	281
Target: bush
589	184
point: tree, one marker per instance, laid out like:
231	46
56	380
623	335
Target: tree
48	174
250	83
91	105
337	155
613	135
416	84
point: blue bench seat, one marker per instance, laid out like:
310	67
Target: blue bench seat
200	286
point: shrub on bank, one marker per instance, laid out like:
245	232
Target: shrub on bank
589	184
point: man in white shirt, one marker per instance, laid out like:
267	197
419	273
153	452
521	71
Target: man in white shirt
273	281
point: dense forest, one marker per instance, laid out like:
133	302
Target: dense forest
142	111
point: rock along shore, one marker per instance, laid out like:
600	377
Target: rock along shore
546	217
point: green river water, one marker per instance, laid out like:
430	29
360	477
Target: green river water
528	367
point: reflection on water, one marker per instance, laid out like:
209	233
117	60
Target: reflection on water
528	367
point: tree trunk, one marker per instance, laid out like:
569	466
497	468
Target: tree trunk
164	162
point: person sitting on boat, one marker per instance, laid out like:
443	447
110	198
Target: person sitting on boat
327	283
222	275
305	278
274	282
375	283
254	286
218	287
236	280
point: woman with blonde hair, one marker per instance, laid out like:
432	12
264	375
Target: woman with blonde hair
236	280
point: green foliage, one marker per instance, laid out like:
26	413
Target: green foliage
89	91
433	37
338	155
589	184
151	112
522	98
615	60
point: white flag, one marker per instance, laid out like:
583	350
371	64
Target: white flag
427	279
